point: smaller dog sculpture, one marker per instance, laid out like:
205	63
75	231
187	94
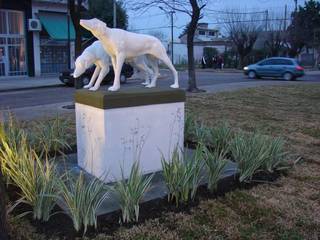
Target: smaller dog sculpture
95	54
122	45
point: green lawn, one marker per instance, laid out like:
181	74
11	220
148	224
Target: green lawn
286	209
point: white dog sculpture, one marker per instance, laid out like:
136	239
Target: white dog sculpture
95	54
122	45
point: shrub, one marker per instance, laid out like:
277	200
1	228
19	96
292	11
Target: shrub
82	199
220	138
35	178
131	191
182	176
250	152
214	163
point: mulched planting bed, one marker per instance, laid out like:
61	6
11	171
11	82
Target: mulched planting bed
61	225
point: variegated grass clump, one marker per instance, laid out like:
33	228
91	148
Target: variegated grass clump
215	162
82	199
36	178
277	159
130	192
182	175
220	137
256	152
195	130
50	136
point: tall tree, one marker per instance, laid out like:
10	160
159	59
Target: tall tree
243	30
193	8
101	9
304	25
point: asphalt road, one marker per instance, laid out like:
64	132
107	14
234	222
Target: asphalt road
35	97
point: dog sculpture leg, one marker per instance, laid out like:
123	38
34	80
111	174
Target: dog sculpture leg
117	71
164	57
104	71
155	68
93	78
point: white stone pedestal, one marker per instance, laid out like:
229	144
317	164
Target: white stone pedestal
115	129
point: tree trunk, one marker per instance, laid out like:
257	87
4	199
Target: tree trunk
3	212
75	12
192	84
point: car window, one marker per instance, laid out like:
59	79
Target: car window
286	62
267	62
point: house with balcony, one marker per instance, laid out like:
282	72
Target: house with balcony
204	37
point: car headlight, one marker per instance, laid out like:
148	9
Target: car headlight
245	68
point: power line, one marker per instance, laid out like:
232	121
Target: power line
226	12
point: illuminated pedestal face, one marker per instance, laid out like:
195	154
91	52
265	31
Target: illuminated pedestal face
115	129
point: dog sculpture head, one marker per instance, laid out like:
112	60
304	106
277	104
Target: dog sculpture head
81	65
95	26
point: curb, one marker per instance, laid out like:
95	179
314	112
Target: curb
30	88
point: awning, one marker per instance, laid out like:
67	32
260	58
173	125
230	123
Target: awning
56	25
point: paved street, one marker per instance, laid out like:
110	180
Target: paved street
205	79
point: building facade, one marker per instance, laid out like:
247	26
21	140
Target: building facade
204	37
30	50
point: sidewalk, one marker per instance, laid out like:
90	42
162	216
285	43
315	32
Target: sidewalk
24	83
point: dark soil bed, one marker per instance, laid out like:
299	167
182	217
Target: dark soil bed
61	225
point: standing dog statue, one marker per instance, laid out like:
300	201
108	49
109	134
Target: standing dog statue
122	45
95	54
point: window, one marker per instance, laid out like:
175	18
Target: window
282	62
201	32
267	62
211	33
3	23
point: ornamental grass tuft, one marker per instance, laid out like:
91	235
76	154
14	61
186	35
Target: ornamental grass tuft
82	199
214	164
182	175
36	178
130	192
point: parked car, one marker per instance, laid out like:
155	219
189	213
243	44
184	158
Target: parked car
67	78
287	68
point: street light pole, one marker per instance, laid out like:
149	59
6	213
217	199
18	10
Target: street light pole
114	14
68	30
172	12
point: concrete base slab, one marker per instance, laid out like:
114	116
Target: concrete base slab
158	187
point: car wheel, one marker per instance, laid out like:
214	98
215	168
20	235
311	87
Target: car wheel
123	79
252	74
85	81
288	76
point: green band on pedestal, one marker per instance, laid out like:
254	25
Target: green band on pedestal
129	97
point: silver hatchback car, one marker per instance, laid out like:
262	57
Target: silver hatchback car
287	68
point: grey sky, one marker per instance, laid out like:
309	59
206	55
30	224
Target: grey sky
156	20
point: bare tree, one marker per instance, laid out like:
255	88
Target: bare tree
193	8
158	34
275	36
243	30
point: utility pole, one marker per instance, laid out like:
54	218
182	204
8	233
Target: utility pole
267	19
296	5
285	18
114	14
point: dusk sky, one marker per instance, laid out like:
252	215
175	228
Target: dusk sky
156	20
